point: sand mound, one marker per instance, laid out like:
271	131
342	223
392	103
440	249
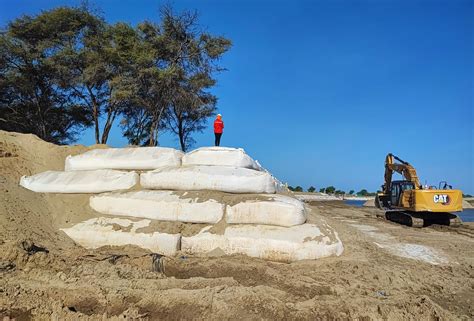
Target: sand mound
25	214
26	154
466	204
370	203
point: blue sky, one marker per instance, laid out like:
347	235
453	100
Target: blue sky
320	91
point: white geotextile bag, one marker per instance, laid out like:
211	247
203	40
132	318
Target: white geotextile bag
97	181
277	210
103	231
215	178
283	244
143	158
220	156
158	205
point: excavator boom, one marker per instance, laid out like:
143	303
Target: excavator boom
403	168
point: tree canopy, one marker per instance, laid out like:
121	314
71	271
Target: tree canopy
67	69
32	96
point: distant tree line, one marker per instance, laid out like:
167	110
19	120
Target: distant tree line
331	190
68	69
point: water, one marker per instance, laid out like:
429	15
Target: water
466	216
356	203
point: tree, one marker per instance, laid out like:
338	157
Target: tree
311	189
351	192
135	125
190	109
194	54
67	68
32	98
322	190
154	78
363	192
298	189
330	189
291	188
339	192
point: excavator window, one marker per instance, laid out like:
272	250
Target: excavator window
397	189
407	187
395	194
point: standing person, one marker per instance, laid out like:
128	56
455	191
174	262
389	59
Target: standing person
218	129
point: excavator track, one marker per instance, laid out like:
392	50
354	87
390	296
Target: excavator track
422	219
404	218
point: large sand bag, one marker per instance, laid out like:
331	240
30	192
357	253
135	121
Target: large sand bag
220	156
98	181
215	178
125	158
283	244
104	231
158	205
276	210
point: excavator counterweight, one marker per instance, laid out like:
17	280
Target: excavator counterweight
408	203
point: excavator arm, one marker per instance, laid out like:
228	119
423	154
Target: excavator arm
403	168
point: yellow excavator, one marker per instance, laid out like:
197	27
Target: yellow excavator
409	203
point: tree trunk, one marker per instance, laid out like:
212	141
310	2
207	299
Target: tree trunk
96	125
182	141
95	114
108	125
154	128
151	140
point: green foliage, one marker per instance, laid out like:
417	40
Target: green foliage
291	188
194	54
339	192
67	68
175	73
33	98
330	190
311	189
363	192
321	190
351	192
298	189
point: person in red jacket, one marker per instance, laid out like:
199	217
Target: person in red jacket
218	129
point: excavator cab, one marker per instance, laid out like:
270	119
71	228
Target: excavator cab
396	190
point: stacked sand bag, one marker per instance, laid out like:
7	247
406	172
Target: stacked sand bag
104	231
277	210
259	223
93	181
213	178
220	156
224	156
212	185
158	205
142	158
284	244
97	171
